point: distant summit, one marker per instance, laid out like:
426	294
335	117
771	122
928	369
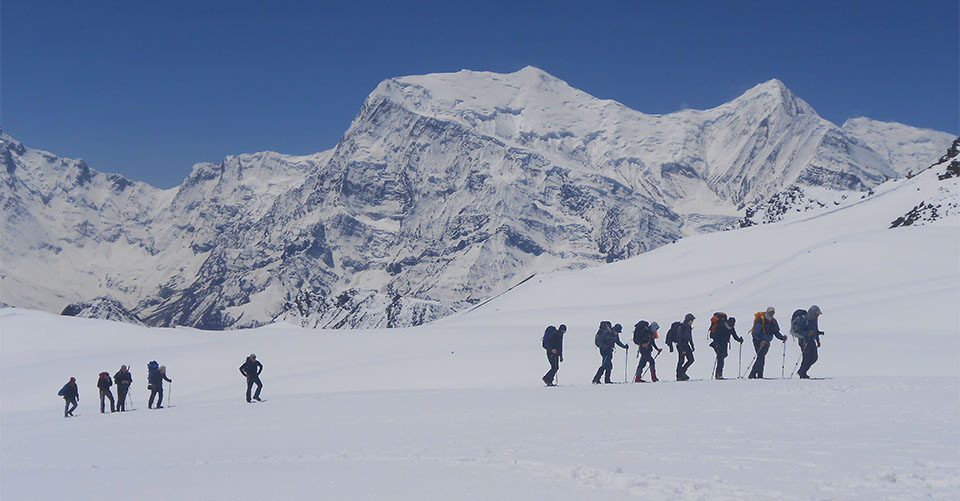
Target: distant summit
446	189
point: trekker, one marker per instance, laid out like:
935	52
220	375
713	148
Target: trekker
156	376
71	396
123	378
645	337
553	344
685	347
721	329
809	339
252	369
765	328
606	339
104	383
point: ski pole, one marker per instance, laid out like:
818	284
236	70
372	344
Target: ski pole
626	357
803	352
750	366
649	366
170	393
783	364
714	369
740	359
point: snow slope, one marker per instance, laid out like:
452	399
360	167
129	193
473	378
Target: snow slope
455	409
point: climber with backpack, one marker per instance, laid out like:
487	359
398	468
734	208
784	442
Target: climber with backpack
645	337
156	375
721	329
804	325
251	369
124	379
606	339
553	343
104	383
71	396
684	341
765	328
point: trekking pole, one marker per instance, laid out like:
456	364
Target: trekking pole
783	364
649	366
749	367
740	359
170	393
803	351
714	376
626	356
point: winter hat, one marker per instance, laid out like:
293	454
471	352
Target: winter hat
253	355
815	310
617	328
689	317
732	321
73	380
562	328
163	369
654	326
123	367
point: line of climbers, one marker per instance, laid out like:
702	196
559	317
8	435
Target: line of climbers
156	375
803	326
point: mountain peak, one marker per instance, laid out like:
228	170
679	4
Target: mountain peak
776	93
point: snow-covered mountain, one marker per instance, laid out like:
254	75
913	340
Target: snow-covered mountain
446	188
103	308
456	408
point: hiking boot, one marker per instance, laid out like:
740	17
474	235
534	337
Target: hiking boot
596	381
804	376
607	381
257	399
653	374
546	381
638	379
158	407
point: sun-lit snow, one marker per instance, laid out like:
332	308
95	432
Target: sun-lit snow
455	409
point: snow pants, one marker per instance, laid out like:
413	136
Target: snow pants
106	393
606	366
810	356
554	360
156	391
721	350
122	390
757	371
255	380
646	357
69	406
684	361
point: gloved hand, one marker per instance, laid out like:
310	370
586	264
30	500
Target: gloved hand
561	358
659	350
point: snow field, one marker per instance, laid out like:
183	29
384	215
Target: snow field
455	409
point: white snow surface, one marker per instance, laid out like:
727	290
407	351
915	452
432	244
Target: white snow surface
455	409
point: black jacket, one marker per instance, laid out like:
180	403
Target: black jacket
251	368
104	383
685	337
722	335
157	378
609	338
123	378
554	341
70	391
646	337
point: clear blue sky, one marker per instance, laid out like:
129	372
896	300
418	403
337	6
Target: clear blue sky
147	89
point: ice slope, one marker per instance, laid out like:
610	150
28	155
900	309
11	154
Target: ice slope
455	409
